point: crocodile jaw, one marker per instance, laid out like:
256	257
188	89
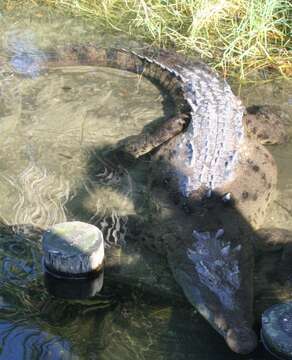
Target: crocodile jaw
242	340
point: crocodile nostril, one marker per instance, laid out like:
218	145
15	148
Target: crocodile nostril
241	340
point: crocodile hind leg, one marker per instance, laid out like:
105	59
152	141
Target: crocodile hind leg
145	142
266	124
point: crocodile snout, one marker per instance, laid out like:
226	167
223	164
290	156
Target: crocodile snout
215	275
242	340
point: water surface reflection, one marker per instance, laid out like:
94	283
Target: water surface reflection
49	129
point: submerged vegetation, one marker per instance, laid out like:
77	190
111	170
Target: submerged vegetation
233	36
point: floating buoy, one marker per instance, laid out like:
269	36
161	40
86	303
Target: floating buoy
73	259
277	330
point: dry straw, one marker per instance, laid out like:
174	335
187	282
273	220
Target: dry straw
233	36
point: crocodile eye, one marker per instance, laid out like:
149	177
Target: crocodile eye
166	181
186	208
226	197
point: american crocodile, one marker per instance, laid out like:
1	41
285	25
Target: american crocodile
219	178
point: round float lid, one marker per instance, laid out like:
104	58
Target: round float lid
277	330
73	248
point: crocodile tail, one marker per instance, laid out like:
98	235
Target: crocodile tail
122	59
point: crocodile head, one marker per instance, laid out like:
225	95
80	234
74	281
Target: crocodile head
215	278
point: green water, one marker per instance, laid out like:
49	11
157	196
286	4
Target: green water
54	131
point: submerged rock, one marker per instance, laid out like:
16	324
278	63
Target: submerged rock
277	330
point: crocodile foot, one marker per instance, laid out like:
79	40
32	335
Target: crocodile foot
266	124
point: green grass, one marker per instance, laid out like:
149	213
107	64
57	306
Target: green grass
235	36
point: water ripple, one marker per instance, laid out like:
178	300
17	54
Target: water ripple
26	58
41	196
20	341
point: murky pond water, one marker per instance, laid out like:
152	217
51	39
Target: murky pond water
55	130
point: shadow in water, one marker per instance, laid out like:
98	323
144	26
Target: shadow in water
33	324
222	288
132	274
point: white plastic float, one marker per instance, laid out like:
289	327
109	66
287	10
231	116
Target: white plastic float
73	259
